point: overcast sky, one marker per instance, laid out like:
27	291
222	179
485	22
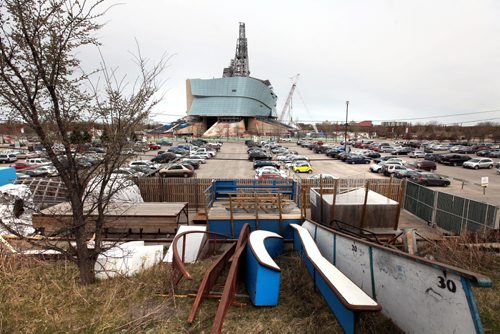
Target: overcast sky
391	59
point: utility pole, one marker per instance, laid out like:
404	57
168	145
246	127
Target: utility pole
345	131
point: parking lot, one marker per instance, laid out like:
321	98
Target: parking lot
232	162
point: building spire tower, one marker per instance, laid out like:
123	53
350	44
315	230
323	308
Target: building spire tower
239	65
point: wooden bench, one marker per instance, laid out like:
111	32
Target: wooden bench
344	297
249	202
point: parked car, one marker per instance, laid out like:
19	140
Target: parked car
389	169
194	163
176	170
300	157
201	159
37	161
454	159
269	175
141	163
401	151
302	167
494	154
358	159
259	155
371	154
20	154
260	170
477	163
322	148
333	153
164	157
153	147
377	168
37	172
466	150
20	165
5	158
404	173
263	163
51	170
430	179
426	165
416	154
22	175
178	150
204	150
483	153
385	158
385	149
323	177
164	143
433	157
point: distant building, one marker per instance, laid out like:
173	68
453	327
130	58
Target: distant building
395	124
231	106
363	124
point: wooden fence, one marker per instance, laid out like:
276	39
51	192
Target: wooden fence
158	189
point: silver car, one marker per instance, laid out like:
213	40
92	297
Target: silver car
477	163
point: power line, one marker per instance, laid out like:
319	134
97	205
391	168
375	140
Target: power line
476	121
437	116
414	118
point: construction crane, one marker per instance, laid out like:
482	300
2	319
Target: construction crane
307	110
286	114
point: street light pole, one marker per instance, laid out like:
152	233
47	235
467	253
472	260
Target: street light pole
345	131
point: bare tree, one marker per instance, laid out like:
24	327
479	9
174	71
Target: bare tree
43	85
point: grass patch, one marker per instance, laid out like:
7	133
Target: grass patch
45	297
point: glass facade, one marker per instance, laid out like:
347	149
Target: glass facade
232	96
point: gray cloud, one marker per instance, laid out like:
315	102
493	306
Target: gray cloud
390	59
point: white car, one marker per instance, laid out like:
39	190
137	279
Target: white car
269	169
51	170
37	161
477	163
417	154
385	149
7	157
323	176
377	168
143	163
204	150
197	157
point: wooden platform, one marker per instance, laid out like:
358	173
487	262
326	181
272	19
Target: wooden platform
270	212
150	218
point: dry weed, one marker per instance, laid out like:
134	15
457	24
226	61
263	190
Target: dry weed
44	296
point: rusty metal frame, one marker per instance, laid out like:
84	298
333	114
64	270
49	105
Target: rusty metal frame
229	291
178	267
209	280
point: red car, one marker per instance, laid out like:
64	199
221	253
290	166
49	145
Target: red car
154	147
20	165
